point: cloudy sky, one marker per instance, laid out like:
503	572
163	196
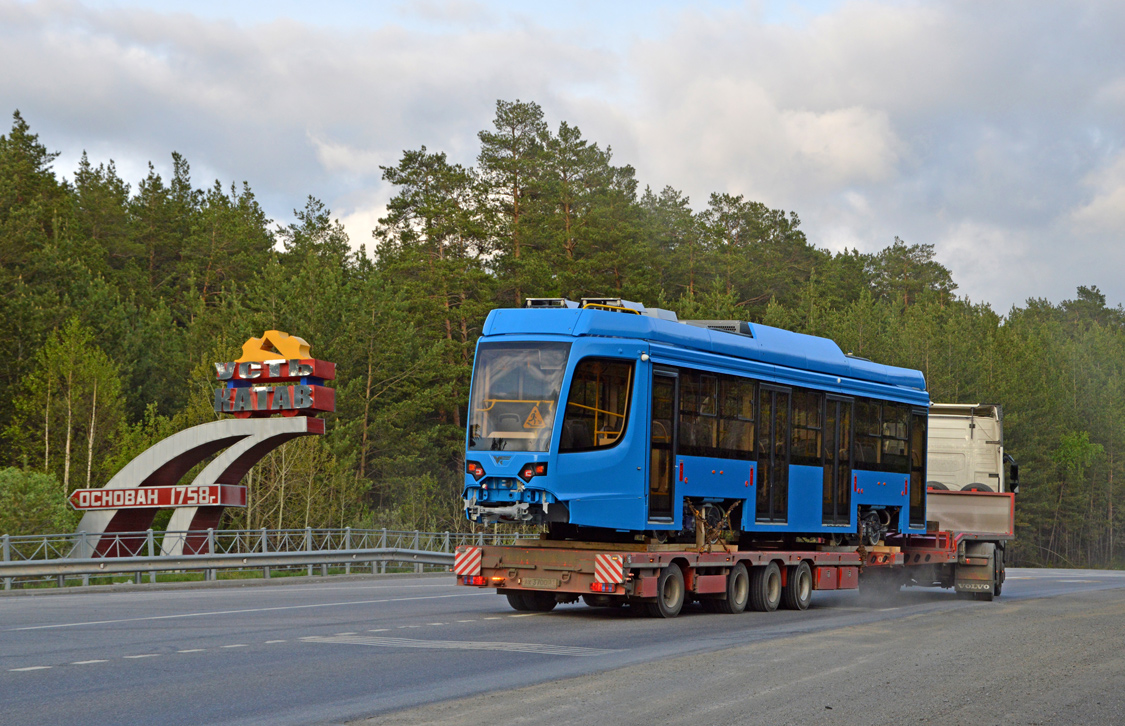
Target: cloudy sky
994	131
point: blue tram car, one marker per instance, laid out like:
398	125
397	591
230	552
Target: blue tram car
604	420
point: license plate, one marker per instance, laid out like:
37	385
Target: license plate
546	583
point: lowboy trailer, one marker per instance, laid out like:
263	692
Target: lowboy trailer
662	578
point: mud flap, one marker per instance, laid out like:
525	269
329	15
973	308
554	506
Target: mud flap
976	571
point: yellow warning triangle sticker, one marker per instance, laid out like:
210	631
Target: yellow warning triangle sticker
534	419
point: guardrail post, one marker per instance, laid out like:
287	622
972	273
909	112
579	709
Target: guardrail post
308	546
265	548
347	546
382	544
480	538
151	545
84	552
7	547
210	574
417	565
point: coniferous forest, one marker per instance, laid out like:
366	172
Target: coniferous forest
116	296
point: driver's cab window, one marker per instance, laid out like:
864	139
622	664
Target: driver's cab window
597	407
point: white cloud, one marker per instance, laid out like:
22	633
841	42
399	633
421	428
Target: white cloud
1106	211
844	146
335	157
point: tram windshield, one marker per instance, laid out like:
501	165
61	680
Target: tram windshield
515	395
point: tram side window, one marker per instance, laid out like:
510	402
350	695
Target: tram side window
716	415
699	420
736	418
881	436
896	418
806	428
868	430
597	408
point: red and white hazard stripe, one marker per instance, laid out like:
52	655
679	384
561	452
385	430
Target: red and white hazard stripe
466	561
608	568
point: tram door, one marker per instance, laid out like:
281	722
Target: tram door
773	454
661	483
837	462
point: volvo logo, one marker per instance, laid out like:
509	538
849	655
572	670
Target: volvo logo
501	460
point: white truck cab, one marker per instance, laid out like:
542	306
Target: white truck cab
966	449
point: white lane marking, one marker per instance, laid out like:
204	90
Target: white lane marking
494	617
88	662
345	633
887	610
378	630
522	615
236	645
541	648
408	626
145	655
271	642
426	624
353	586
192	650
250	610
460	621
29	668
1077	580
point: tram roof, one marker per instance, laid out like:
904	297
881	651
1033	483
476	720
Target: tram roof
766	344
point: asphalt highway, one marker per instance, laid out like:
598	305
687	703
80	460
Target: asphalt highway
420	649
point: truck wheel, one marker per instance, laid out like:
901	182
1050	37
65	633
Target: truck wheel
998	560
517	601
765	587
738	591
798	588
669	593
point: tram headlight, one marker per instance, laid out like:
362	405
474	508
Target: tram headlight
532	470
475	469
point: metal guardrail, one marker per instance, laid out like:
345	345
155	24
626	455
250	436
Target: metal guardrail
78	554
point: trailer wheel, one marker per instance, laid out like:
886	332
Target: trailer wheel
517	601
540	602
765	587
669	593
738	591
798	588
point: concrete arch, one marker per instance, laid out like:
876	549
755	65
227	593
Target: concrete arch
228	467
166	462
